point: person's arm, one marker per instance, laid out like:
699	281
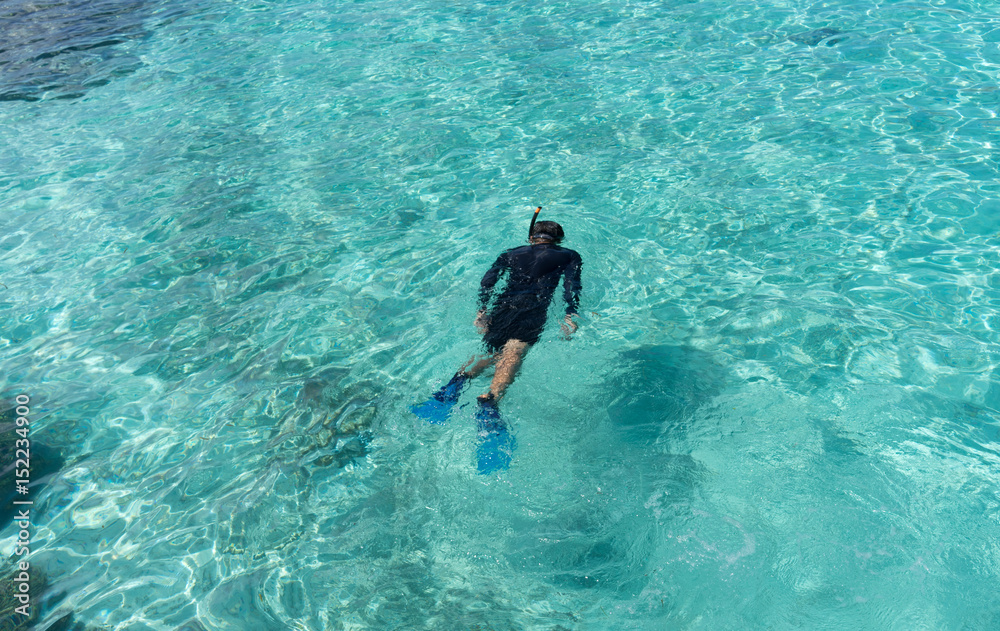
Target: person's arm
571	292
486	285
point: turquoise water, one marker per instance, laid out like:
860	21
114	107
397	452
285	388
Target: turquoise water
239	239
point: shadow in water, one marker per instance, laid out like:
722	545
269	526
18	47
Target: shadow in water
601	545
585	549
655	390
632	488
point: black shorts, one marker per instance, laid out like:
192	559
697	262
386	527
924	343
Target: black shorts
506	323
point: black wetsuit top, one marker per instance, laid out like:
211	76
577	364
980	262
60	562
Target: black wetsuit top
533	273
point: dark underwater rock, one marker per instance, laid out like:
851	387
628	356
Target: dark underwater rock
10	618
44	461
336	422
61	49
38	586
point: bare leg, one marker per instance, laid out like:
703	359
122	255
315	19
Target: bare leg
477	364
508	363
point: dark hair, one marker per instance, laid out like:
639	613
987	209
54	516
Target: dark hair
550	229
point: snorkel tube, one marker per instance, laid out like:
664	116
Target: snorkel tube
534	218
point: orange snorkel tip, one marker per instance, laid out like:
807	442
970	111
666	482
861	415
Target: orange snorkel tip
534	218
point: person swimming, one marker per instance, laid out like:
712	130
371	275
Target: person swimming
509	328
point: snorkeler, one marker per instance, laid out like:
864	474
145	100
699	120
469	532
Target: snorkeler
509	329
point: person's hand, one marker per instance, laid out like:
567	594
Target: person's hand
568	327
481	322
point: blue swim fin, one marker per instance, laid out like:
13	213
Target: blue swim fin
496	443
437	408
